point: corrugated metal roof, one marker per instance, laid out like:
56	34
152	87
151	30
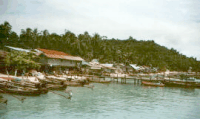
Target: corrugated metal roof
135	66
107	65
53	52
59	55
95	60
85	63
95	67
55	56
18	49
74	58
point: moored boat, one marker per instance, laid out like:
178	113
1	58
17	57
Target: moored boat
146	83
20	90
181	84
74	84
100	81
56	87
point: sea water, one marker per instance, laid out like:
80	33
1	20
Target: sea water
113	101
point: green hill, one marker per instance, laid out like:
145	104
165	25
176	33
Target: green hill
128	51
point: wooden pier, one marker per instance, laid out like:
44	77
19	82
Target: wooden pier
137	79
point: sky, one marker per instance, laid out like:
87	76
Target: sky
170	23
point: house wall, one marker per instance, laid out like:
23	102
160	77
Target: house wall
62	62
59	62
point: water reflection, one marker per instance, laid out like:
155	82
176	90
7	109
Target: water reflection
189	92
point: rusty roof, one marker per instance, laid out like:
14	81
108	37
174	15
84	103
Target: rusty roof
53	52
59	55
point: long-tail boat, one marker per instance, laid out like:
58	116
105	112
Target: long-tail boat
147	83
21	91
181	84
56	87
7	87
52	84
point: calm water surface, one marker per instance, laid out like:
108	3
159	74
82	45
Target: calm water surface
114	101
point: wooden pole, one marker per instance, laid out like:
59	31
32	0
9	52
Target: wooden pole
60	94
125	79
157	77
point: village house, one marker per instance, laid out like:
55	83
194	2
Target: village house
108	68
52	60
95	67
85	67
135	68
120	68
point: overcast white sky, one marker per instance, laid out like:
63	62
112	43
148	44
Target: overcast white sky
171	23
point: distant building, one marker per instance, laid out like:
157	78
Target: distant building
135	68
95	65
108	68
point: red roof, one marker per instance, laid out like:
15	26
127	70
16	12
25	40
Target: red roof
59	55
53	52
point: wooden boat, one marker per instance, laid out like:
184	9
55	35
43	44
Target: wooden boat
56	87
146	83
45	81
21	91
6	87
7	84
56	78
74	84
25	84
100	81
52	84
180	84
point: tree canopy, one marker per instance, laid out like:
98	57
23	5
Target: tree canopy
127	51
21	60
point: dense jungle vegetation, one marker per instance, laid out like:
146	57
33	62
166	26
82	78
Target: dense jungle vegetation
127	51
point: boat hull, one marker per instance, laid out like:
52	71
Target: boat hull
56	87
21	92
152	84
180	84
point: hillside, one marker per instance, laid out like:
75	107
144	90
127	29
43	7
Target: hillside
128	51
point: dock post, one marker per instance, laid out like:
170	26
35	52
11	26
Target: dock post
157	77
117	78
125	79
